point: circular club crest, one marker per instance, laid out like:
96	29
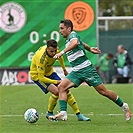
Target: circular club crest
81	14
13	17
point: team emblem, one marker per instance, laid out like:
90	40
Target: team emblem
12	17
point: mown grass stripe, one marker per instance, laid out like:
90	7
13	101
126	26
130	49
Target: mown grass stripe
6	115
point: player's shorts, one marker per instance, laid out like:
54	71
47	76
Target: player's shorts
44	85
88	75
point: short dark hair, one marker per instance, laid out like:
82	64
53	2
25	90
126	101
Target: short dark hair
67	23
110	55
52	43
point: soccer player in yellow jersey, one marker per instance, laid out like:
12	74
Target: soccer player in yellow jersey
42	73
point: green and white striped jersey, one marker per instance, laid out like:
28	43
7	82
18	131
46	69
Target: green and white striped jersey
77	56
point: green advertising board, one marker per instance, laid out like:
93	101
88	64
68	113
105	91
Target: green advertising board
27	24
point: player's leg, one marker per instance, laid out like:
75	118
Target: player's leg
63	100
72	102
47	87
101	89
55	77
63	89
71	80
51	105
52	99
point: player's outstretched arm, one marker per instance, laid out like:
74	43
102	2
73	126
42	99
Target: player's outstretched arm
62	63
93	50
72	45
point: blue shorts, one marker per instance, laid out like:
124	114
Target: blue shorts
44	85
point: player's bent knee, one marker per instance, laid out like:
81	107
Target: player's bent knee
62	89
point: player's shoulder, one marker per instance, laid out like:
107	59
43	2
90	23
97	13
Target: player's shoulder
73	34
40	52
41	49
44	47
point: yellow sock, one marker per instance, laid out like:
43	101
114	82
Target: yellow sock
52	102
72	102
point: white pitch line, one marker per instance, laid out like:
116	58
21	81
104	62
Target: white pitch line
68	114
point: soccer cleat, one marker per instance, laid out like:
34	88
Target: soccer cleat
82	118
48	115
126	111
60	116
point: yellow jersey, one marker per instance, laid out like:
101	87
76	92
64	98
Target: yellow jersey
42	66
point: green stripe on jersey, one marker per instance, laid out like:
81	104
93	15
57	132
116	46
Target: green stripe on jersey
77	56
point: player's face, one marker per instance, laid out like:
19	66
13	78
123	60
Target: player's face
51	51
64	31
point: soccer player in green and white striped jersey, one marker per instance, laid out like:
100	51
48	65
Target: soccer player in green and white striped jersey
82	71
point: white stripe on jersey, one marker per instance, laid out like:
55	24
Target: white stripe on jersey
75	55
69	41
82	65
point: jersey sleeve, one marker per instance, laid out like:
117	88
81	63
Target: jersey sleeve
41	74
73	35
61	61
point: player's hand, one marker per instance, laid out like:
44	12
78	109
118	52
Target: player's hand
57	56
59	81
65	72
95	50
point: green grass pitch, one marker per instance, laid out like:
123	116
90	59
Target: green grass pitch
106	117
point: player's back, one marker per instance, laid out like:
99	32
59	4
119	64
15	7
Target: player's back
36	60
